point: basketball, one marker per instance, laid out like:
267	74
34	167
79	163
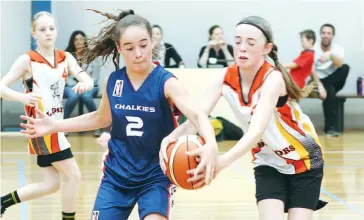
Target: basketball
179	162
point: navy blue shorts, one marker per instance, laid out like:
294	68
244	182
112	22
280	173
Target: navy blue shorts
115	203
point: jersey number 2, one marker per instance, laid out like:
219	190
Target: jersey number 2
134	124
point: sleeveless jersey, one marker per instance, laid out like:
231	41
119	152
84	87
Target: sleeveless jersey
140	120
48	82
289	143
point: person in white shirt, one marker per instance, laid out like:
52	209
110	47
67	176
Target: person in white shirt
330	68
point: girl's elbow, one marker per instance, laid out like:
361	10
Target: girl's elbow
102	121
107	122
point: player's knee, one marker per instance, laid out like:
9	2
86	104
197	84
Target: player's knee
155	216
76	176
53	185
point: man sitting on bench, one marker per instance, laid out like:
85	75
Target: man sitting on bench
330	68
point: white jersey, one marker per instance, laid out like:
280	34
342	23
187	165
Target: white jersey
289	143
48	82
325	69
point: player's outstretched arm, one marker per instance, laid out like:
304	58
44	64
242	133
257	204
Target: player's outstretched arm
272	89
45	125
175	91
207	105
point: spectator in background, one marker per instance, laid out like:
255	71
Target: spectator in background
330	68
166	51
217	53
76	46
301	67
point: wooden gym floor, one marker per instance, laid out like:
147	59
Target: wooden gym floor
230	196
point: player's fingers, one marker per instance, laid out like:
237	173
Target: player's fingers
40	113
33	136
36	97
163	166
199	177
33	99
162	163
208	174
196	152
191	171
27	132
199	169
27	126
199	184
164	153
24	117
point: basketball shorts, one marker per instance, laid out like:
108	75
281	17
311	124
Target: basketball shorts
116	203
296	191
47	160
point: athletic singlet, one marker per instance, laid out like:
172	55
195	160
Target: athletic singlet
289	143
48	82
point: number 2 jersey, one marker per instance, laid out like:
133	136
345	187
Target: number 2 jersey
140	120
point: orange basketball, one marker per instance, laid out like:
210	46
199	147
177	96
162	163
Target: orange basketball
179	162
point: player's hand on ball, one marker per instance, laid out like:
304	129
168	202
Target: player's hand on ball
163	159
208	154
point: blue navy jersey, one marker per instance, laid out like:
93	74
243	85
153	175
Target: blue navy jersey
140	120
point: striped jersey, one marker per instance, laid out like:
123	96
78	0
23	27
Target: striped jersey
289	143
47	81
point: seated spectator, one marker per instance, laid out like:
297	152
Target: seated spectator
167	52
217	53
76	47
301	67
330	68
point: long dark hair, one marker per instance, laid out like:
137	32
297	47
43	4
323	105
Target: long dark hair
71	43
293	90
104	44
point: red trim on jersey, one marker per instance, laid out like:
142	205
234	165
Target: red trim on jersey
55	143
232	79
299	165
59	56
286	115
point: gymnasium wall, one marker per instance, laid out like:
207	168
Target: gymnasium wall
186	24
15	39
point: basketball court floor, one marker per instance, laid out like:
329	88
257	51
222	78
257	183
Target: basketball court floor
230	196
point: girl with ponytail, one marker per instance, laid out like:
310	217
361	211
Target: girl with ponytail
287	155
137	102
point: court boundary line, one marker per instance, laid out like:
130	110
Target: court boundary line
21	177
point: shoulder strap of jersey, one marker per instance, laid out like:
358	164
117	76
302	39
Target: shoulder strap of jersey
232	77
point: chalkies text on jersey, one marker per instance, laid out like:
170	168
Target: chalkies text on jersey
135	108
